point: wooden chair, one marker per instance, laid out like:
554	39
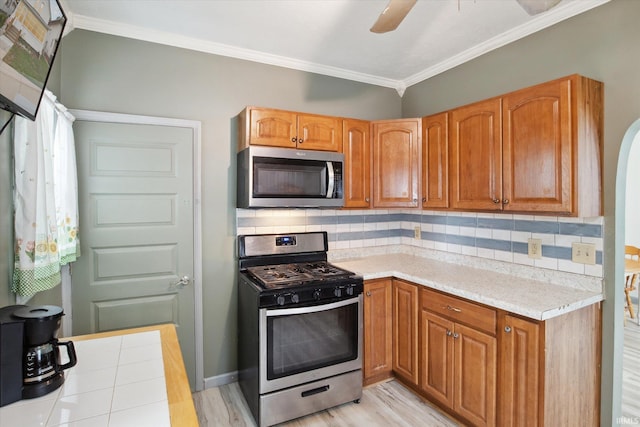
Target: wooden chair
630	278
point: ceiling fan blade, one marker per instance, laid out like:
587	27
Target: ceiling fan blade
392	15
534	7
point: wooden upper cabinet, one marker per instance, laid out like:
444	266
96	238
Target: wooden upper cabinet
551	147
396	163
356	147
319	132
535	150
435	161
475	156
288	129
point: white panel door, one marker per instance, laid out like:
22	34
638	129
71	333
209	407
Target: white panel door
135	184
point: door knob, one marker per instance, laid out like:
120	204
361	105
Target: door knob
182	282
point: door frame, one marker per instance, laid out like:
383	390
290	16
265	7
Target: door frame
195	126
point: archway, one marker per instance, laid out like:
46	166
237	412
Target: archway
613	322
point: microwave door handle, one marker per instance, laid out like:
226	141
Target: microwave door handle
331	179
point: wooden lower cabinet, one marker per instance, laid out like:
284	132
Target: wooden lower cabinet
457	362
377	342
405	330
550	371
520	372
482	365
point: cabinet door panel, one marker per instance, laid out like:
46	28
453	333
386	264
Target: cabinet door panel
520	372
396	162
475	376
319	132
377	330
537	148
357	163
436	357
475	150
435	161
405	330
272	127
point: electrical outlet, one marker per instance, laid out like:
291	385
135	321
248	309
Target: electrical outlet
417	233
583	253
535	248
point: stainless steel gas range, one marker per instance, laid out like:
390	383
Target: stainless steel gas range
300	327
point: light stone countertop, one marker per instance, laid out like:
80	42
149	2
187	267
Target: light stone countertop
535	299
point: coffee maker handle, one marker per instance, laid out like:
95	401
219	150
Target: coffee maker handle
71	351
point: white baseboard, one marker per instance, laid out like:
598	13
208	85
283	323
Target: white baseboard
222	379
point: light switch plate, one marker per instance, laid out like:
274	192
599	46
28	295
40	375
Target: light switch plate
583	253
417	233
535	248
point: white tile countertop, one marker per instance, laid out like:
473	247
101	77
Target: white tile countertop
536	299
118	381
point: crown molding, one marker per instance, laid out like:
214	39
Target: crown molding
552	17
176	40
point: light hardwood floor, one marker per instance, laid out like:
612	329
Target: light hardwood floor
631	371
385	404
391	404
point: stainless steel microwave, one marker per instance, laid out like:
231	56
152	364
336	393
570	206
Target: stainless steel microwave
271	177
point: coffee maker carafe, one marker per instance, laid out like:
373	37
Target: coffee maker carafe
42	370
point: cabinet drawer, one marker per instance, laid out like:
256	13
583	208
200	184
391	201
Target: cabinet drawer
474	315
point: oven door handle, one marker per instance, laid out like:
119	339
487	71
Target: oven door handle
312	309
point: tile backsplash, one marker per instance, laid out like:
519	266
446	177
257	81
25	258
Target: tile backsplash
501	237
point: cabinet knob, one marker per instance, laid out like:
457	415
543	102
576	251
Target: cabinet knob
366	200
505	201
294	139
300	141
415	202
368	293
449	333
496	201
455	335
424	199
507	329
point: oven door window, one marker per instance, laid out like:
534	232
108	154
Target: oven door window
287	177
304	342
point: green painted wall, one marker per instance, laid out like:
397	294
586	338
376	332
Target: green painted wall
602	44
6	211
108	73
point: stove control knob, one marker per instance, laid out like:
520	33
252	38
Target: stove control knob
337	292
295	298
316	294
350	290
280	299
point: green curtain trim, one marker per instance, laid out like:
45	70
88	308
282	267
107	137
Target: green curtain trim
29	282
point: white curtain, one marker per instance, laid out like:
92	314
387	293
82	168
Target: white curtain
45	198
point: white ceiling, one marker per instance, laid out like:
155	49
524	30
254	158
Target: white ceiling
328	37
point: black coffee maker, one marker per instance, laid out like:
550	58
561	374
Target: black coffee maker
33	330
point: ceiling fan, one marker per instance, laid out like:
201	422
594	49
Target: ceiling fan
396	10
